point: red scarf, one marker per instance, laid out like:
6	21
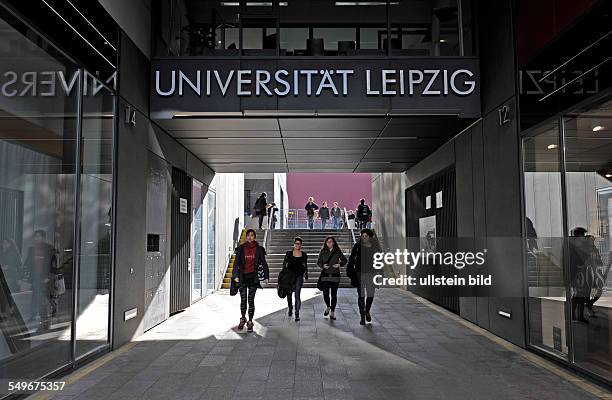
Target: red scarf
249	257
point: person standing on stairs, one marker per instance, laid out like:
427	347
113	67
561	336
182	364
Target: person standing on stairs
310	208
331	258
336	216
324	214
250	264
260	208
297	261
361	264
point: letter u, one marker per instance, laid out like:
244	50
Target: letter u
172	86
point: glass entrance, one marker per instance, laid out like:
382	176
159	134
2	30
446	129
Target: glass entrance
197	209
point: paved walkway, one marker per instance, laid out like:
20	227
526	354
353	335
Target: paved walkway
411	351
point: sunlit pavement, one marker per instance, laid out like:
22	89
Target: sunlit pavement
410	351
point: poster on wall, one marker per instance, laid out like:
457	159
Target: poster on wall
427	233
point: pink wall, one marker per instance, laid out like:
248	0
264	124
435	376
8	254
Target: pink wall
345	188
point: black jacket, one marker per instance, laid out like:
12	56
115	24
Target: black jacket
336	212
260	205
303	268
363	212
324	212
260	260
361	258
311	208
286	282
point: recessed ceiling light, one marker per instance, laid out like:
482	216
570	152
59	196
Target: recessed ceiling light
598	128
608	175
552	146
364	3
442	40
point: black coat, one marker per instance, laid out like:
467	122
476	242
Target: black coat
363	212
360	261
311	208
304	266
260	205
260	260
324	212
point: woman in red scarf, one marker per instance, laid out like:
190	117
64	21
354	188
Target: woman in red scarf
250	258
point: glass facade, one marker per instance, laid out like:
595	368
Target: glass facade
314	28
56	180
568	204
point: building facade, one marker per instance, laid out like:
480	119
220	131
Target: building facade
127	128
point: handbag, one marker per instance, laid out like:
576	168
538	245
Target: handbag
59	285
233	287
261	274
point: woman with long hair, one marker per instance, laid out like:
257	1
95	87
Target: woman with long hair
296	261
249	265
331	258
361	261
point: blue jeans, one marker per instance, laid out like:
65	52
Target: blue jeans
323	223
310	221
335	223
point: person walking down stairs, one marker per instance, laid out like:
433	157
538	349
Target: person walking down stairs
249	267
296	261
331	258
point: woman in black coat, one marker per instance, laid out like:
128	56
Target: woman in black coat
331	258
250	260
361	269
296	261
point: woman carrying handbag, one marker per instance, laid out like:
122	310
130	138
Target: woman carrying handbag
331	258
250	268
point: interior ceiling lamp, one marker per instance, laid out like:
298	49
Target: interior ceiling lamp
598	128
365	3
253	4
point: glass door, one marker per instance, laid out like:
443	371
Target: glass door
544	242
211	215
197	208
96	196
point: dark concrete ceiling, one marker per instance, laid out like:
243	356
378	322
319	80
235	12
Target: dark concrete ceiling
314	144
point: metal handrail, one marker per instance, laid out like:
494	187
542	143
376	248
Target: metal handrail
349	226
267	231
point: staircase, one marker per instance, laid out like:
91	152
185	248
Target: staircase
281	241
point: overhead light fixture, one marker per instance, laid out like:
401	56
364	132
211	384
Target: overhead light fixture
552	146
598	128
608	175
253	4
442	40
364	3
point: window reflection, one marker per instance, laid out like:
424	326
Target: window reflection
588	141
37	191
544	240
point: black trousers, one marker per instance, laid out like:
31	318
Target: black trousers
330	294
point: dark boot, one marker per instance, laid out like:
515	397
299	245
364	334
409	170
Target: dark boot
290	312
368	305
361	304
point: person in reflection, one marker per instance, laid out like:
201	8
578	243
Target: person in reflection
532	236
296	261
259	209
585	263
249	267
331	258
324	214
41	261
361	269
310	208
336	215
10	261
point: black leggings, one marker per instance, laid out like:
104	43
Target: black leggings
330	288
251	300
